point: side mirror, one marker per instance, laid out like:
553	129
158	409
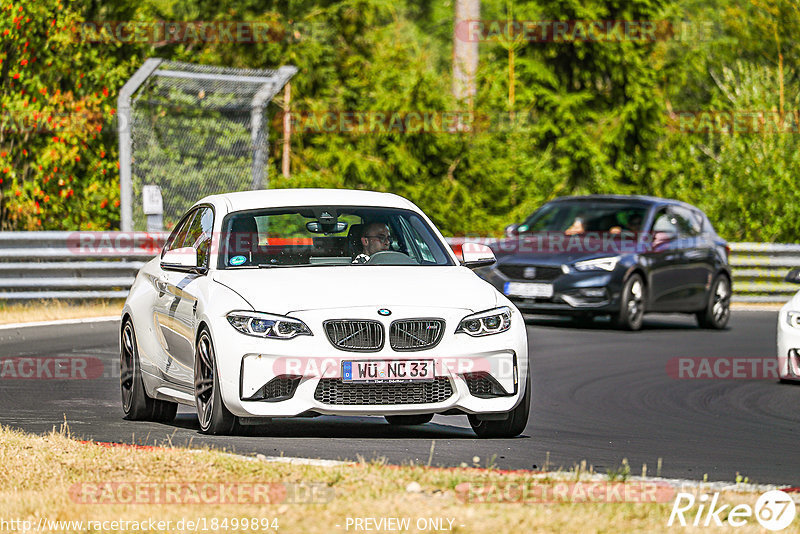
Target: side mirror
511	230
793	276
476	255
180	259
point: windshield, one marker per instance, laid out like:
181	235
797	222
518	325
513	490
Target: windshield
328	235
577	218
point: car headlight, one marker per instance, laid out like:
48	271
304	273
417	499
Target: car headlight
486	323
267	325
598	264
793	318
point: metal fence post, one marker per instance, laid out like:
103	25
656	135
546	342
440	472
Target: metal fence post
124	119
257	133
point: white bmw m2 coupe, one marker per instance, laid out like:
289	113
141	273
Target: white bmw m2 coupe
789	335
306	302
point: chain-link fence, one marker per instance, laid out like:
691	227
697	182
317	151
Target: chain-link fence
192	130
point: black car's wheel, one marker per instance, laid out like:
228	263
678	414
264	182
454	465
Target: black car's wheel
409	420
214	417
632	304
136	404
718	309
510	427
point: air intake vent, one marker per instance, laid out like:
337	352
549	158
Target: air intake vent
482	385
531	272
278	389
355	335
334	391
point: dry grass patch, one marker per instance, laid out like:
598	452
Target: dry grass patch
59	478
51	310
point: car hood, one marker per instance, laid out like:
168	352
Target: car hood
284	290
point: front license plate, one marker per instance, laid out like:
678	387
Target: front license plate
528	290
387	371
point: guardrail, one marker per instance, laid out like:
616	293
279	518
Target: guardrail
72	265
84	265
759	269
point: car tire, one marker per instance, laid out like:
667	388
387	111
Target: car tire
212	414
631	304
137	405
510	427
409	420
718	307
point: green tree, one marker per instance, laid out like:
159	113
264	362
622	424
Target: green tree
57	141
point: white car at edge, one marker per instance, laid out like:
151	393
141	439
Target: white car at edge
267	304
789	334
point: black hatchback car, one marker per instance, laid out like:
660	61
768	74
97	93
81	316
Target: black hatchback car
622	256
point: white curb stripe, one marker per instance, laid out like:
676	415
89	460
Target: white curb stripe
293	460
87	320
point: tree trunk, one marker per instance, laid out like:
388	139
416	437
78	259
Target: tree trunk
287	129
465	49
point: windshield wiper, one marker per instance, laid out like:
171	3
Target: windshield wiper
269	265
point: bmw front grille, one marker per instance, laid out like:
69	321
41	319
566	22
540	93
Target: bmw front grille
415	334
356	335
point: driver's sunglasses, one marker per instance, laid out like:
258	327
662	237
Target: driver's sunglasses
382	238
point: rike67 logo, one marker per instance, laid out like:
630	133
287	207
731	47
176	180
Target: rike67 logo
774	510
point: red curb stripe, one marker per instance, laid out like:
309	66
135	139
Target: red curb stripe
121	445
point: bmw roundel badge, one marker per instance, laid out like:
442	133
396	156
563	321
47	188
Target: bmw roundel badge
384	312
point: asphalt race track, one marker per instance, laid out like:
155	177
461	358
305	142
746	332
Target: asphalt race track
600	395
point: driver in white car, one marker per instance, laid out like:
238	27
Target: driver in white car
375	238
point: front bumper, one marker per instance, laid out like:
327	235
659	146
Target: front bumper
303	375
568	293
788	347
